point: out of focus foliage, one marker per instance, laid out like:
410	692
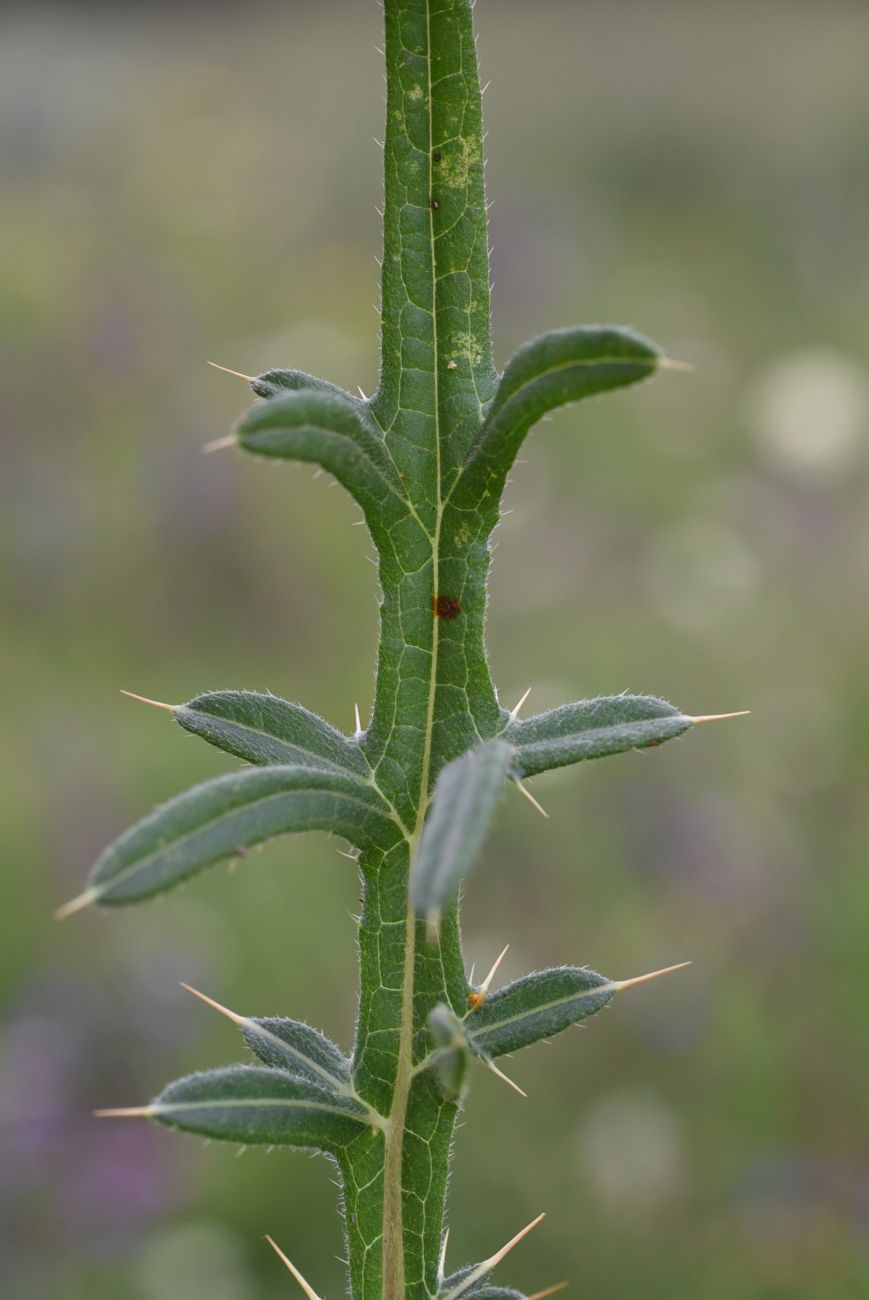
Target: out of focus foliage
697	171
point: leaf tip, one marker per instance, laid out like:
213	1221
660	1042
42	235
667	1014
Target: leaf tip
210	1002
220	443
126	1112
155	704
248	379
618	985
719	717
670	363
77	904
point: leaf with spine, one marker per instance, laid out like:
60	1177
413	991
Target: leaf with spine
535	1007
265	730
250	1104
560	367
610	724
222	818
298	1048
464	800
332	431
273	383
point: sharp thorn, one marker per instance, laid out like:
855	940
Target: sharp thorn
719	717
248	379
484	987
76	904
550	1290
669	363
471	974
501	1075
530	797
155	704
361	393
514	712
443	1255
652	975
514	1241
209	1002
359	729
126	1112
308	1290
220	443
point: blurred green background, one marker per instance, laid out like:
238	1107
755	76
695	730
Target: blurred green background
190	183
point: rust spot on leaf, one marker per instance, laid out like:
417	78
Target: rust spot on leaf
446	606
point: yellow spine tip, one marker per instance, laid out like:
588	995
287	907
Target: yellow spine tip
652	975
155	704
77	904
248	379
126	1112
670	363
719	717
220	443
216	1006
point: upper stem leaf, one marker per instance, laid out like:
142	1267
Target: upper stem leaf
222	818
251	1104
331	430
594	728
562	366
536	1007
462	806
264	730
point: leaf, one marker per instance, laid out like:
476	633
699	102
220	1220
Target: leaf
329	430
288	1045
222	818
250	1104
266	730
296	1047
449	1063
593	729
273	383
536	1007
562	366
462	806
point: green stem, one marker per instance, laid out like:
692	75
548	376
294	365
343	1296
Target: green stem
436	378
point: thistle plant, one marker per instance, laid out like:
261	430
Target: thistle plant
414	791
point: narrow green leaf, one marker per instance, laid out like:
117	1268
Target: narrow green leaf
462	806
288	1045
265	730
562	366
250	1104
536	1007
273	383
329	430
593	729
222	818
297	1047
